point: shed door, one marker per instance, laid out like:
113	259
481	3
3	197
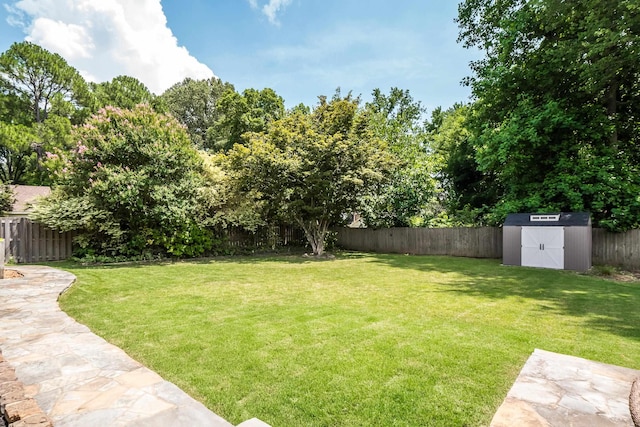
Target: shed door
543	247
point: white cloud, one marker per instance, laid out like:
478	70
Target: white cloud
271	9
69	40
107	38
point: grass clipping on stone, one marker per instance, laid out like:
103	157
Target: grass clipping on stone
359	340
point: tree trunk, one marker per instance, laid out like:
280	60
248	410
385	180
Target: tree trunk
612	110
315	231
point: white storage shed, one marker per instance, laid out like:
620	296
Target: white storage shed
552	240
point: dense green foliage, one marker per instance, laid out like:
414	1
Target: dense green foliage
311	168
469	191
556	117
409	197
123	92
16	154
40	97
251	111
194	103
7	199
362	340
131	186
554	126
39	78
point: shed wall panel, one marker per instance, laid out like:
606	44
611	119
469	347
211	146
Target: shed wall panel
511	246
578	247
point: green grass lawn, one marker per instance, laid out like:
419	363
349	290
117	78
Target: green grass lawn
362	340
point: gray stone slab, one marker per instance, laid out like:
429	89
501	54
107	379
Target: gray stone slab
76	377
559	390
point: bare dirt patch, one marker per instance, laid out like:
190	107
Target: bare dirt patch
11	274
616	274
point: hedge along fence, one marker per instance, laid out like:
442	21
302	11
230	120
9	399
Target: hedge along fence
26	241
620	249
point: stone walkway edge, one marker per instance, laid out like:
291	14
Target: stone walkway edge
78	378
557	390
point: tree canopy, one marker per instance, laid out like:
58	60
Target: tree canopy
39	77
194	103
312	168
131	186
122	92
407	198
556	109
251	111
40	97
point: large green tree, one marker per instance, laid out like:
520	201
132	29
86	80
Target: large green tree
409	197
132	186
32	73
312	168
17	155
194	103
250	111
40	97
123	92
557	104
467	191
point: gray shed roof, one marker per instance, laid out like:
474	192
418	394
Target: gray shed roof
564	219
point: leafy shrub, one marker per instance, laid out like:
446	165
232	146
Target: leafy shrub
133	186
7	199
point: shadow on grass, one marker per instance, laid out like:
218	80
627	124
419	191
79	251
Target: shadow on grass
602	304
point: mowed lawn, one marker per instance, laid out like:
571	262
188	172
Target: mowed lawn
362	340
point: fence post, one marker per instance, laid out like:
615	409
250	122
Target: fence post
6	234
2	259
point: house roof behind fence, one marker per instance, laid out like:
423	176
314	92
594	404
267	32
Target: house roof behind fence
26	195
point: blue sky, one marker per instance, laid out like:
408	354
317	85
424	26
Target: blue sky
299	48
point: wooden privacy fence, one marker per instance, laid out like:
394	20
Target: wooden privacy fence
27	241
265	237
480	242
621	249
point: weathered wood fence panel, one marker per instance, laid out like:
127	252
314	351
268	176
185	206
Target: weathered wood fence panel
621	249
473	242
274	236
27	241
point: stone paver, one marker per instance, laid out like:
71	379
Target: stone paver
555	390
77	378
